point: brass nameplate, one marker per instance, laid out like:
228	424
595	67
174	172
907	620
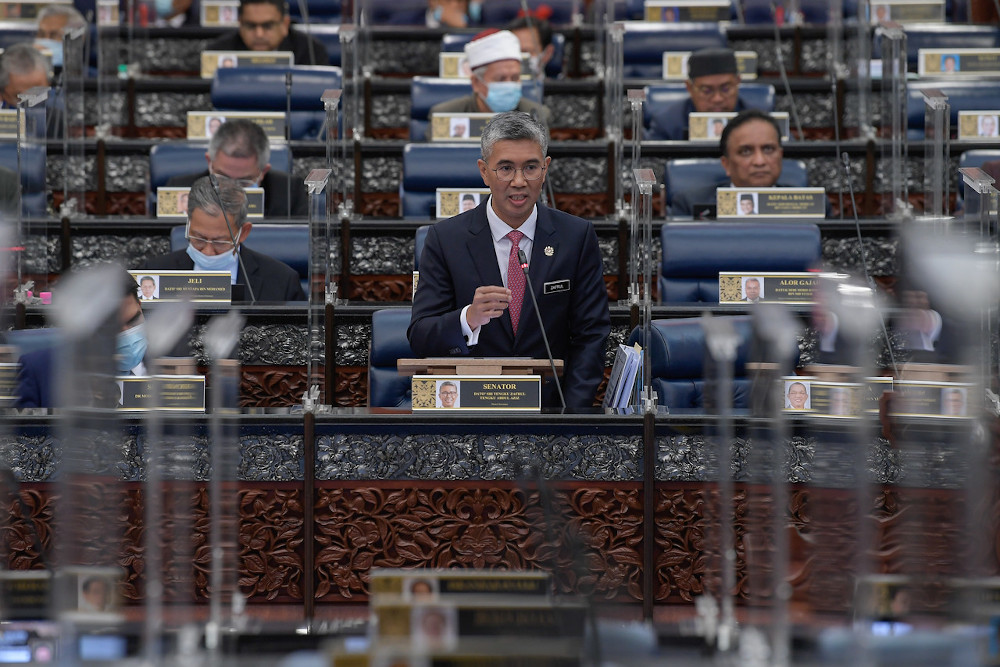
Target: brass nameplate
958	62
452	201
108	15
195	286
908	11
8	382
683	11
203	124
8	124
516	393
795	203
213	60
872	393
780	287
24	594
255	202
841	400
979	125
931	399
220	13
675	65
454	65
435	584
177	393
708	126
172	202
458	126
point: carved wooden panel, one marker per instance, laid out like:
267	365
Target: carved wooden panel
283	386
381	288
585	205
380	204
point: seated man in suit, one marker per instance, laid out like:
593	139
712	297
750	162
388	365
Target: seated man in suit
34	376
470	299
266	26
22	67
239	150
713	86
216	230
53	22
495	59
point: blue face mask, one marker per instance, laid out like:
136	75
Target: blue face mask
475	12
130	347
53	45
503	95
227	261
164	8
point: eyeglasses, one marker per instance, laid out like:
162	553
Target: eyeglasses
725	90
449	393
266	26
218	246
530	172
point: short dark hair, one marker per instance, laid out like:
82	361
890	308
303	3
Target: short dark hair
513	126
541	25
241	138
145	278
742	118
280	4
746	197
229	196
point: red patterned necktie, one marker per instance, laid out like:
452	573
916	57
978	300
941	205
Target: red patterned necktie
515	279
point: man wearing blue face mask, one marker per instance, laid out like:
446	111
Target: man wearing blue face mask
495	59
216	230
54	21
35	371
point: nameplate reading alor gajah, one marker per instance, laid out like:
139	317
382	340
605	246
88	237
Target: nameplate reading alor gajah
455	65
675	65
793	203
496	393
177	393
908	11
8	382
203	124
979	125
8	124
194	286
458	126
708	126
452	201
217	13
214	60
683	11
782	287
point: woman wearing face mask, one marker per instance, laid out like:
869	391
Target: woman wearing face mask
495	59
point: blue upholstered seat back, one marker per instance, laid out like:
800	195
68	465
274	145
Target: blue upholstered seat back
386	387
962	96
691	173
427	167
660	95
644	44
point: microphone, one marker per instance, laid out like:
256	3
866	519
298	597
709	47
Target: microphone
288	140
521	257
782	73
845	158
232	236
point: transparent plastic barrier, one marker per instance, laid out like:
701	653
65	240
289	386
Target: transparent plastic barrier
861	69
636	99
73	122
894	153
34	261
937	172
980	197
322	290
614	114
644	181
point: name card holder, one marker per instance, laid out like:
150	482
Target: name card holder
908	11
194	286
684	11
772	203
948	400
787	287
708	126
452	201
220	13
177	393
839	400
173	202
675	65
979	125
17	10
8	383
394	584
455	65
214	60
108	14
489	393
458	126
203	124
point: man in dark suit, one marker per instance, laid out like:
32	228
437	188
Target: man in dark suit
239	150
266	26
216	230
470	277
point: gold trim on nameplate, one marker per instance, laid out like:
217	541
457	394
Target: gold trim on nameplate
272	122
699	121
255	202
675	65
8	381
944	400
220	13
479	393
771	203
908	11
15	10
680	11
981	125
450	65
213	60
8	124
449	200
958	62
835	400
458	126
787	287
194	286
177	393
172	203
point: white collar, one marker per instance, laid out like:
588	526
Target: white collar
500	229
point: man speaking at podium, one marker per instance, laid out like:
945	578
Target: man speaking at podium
470	299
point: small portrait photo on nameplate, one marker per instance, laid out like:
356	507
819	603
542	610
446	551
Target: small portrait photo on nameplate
708	126
421	588
908	11
791	203
8	383
172	202
452	201
871	393
840	400
453	65
958	62
90	589
979	125
195	286
149	286
503	393
458	126
685	11
797	393
215	60
780	287
107	13
220	13
255	202
931	399
203	124
434	627
675	65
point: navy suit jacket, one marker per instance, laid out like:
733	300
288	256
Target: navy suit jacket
459	256
671	121
34	379
270	279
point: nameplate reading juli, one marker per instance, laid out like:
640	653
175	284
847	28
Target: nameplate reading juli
195	286
213	60
203	124
458	126
708	126
675	65
452	201
792	203
512	393
683	11
177	393
783	287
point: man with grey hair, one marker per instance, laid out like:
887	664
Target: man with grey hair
53	22
470	299
216	230
239	149
22	67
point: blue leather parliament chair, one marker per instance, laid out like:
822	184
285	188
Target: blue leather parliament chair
264	89
319	11
396	12
645	42
962	96
427	167
34	197
690	173
178	158
426	91
386	387
286	243
660	95
456	42
694	253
